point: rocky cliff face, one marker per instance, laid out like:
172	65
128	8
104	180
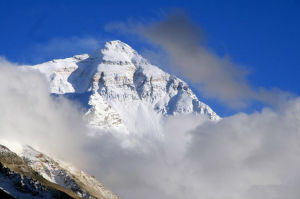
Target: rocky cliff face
118	87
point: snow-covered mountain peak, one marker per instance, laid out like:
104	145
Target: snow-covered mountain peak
120	88
119	53
118	46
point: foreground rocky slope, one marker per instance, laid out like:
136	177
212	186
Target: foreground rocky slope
35	175
65	175
18	180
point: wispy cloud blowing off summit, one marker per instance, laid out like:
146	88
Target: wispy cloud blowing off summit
185	44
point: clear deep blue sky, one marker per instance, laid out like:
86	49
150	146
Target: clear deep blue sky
262	35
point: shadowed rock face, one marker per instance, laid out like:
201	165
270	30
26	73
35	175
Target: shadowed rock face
120	86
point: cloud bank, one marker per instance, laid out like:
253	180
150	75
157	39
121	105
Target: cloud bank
253	156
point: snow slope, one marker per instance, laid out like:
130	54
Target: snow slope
121	90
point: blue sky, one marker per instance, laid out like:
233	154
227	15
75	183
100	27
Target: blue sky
261	35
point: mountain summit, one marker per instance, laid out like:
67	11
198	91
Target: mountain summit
119	88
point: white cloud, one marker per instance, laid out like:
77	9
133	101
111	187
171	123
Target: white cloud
241	157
